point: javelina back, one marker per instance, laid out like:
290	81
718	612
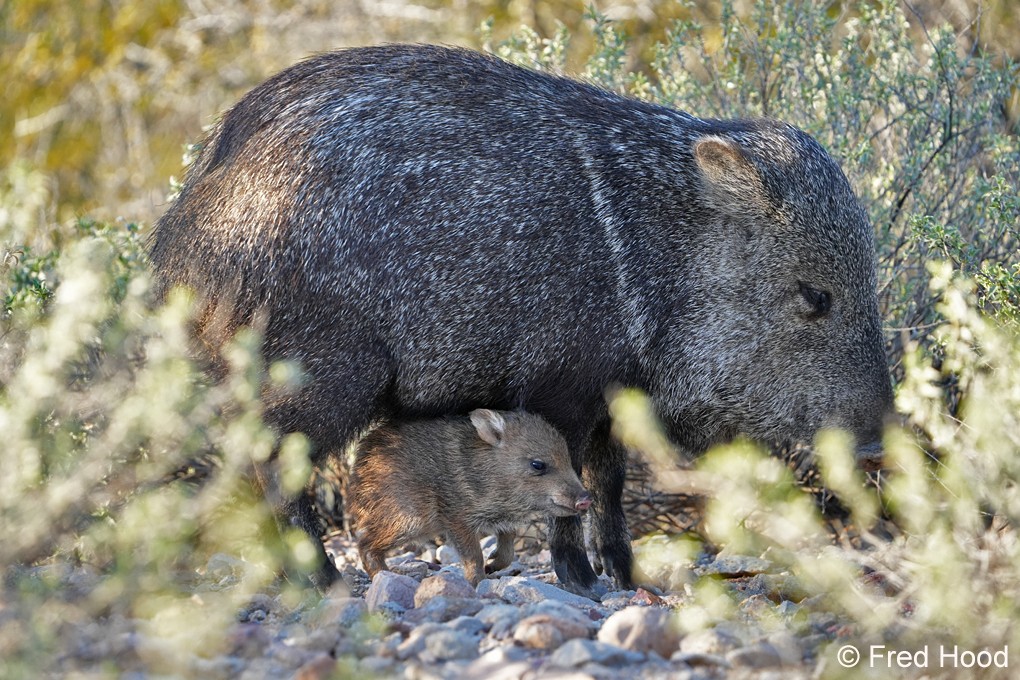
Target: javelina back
431	230
490	472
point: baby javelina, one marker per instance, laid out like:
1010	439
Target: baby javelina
460	477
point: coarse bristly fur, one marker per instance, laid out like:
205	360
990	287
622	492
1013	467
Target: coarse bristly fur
430	230
462	477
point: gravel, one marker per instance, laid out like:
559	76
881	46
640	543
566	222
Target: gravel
421	621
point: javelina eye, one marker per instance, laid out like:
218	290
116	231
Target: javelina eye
820	300
538	465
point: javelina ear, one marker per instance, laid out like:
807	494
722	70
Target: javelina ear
489	425
731	180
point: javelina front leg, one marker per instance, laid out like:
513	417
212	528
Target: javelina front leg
504	554
465	540
570	560
566	538
604	474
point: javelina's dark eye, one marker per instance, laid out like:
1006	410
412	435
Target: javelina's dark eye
538	465
819	300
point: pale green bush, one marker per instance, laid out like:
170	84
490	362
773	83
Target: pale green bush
100	408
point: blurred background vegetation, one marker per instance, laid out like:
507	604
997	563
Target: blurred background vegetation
100	405
101	95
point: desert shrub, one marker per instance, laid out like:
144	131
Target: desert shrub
101	409
949	576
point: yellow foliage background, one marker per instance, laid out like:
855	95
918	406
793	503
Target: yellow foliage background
102	95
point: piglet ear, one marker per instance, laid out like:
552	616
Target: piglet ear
490	425
730	180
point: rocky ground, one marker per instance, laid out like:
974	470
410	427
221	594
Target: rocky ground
424	620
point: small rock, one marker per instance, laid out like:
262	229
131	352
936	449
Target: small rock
289	655
732	566
447	644
440	609
697	659
561	611
757	656
538	633
580	651
159	654
413	646
322	640
319	668
500	619
353	582
467	624
645	597
543	631
392	589
388	646
416	569
788	646
678	577
642	629
221	564
447	554
345	611
376	665
618	599
619	595
445	583
756	606
501	663
712	641
257	609
224	667
810	643
787	609
247	640
488	587
520	590
777	587
258	668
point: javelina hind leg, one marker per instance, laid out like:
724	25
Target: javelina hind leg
605	471
504	554
373	560
297	512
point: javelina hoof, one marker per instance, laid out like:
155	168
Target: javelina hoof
574	571
870	457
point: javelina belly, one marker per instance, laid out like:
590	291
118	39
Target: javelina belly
460	477
431	230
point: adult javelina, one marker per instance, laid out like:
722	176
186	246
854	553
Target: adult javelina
431	230
489	472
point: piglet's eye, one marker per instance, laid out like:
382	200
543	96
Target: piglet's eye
538	465
819	300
